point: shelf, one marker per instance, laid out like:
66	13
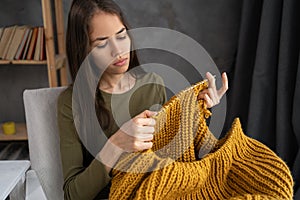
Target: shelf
4	62
60	61
29	62
21	133
23	62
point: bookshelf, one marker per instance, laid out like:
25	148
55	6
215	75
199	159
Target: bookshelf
54	59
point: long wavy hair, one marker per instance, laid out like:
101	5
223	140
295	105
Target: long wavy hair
78	43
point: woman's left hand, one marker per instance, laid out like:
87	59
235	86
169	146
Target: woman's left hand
211	95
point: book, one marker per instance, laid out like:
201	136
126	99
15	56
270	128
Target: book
7	32
43	46
24	53
15	42
21	47
3	40
1	31
32	44
9	40
36	55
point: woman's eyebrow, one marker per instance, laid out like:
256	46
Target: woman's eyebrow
104	38
120	31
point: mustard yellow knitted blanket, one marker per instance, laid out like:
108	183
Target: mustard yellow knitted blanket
236	167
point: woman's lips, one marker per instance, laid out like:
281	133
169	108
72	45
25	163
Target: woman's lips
120	62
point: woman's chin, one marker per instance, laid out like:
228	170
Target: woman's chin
118	69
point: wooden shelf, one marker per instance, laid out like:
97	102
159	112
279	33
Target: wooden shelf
21	133
29	62
4	62
23	62
60	61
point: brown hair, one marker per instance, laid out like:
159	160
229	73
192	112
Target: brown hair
78	42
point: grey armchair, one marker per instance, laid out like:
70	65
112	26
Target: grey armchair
43	139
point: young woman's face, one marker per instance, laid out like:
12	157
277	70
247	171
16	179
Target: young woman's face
110	43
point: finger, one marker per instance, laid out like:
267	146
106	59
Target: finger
139	146
148	113
140	130
145	137
212	93
201	94
147	145
224	87
145	114
144	121
208	101
211	80
145	130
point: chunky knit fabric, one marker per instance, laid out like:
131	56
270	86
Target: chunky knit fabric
236	167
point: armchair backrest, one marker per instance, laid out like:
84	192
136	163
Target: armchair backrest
43	138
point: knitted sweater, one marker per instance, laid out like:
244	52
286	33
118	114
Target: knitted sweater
236	167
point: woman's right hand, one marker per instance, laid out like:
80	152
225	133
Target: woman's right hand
136	134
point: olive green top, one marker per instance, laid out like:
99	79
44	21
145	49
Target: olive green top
84	176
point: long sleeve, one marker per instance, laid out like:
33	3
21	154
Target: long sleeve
80	181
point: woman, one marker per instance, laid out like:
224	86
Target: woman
98	27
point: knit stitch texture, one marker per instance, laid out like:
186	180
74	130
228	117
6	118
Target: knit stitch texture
234	167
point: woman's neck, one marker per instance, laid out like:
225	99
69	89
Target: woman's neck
116	83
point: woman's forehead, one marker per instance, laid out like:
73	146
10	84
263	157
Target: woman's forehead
105	25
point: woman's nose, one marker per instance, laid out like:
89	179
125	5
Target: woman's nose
115	48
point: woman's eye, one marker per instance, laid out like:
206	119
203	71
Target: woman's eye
101	45
122	37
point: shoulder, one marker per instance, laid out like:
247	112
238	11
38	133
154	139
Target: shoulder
65	99
66	95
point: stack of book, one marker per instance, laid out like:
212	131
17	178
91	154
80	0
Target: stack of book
22	43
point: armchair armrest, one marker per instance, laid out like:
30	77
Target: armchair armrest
34	188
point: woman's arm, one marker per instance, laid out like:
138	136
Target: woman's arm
80	182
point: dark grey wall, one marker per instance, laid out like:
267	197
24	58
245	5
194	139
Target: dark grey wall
214	24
